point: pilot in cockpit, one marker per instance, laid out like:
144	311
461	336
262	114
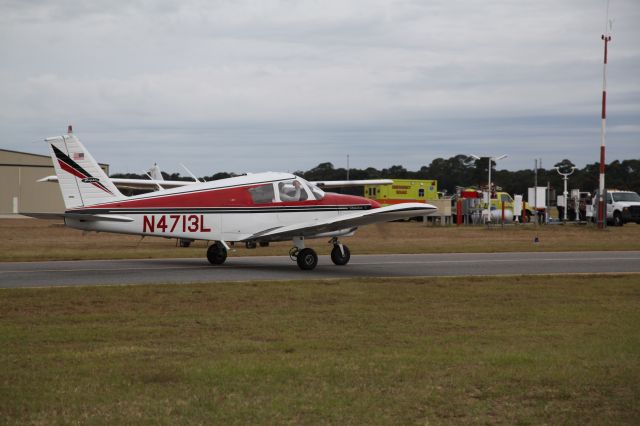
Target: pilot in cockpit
289	192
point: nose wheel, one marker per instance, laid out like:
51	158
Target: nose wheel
216	254
340	254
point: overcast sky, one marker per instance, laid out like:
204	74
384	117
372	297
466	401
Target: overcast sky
284	85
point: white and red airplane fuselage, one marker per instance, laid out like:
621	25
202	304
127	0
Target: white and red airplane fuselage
223	210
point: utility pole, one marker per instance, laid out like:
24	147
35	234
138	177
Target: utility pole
606	37
348	167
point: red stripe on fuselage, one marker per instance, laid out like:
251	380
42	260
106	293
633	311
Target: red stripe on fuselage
228	197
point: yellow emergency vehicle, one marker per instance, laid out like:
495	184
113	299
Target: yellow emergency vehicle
403	191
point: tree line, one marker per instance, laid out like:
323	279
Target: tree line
465	171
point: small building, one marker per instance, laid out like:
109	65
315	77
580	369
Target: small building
19	186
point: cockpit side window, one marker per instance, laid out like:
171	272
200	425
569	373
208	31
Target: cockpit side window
262	194
292	190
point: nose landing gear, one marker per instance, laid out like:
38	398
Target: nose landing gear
216	253
340	254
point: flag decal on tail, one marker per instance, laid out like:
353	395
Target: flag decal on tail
70	166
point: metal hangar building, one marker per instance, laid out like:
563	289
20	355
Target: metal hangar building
19	186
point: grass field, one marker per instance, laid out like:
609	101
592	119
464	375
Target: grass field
28	239
554	350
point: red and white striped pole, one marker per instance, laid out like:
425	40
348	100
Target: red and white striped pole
602	220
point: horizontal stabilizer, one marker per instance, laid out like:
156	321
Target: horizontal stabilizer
80	216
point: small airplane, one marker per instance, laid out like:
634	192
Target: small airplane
255	208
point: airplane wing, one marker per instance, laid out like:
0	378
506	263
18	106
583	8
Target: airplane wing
347	221
123	183
348	183
135	183
149	183
80	216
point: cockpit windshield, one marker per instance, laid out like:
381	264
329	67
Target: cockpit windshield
318	193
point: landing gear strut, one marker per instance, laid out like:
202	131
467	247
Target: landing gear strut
340	254
216	254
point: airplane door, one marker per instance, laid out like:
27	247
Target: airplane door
261	216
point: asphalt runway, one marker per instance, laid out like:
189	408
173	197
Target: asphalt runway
158	271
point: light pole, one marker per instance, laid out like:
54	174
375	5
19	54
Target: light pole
565	178
491	160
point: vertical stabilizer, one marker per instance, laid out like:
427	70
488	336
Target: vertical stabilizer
82	182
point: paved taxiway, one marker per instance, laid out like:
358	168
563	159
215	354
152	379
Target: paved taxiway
151	271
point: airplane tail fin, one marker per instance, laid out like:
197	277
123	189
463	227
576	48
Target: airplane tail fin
82	181
155	172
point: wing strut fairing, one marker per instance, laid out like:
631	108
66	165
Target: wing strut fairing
83	217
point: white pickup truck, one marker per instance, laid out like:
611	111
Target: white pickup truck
622	207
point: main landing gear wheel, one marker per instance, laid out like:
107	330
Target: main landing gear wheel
340	257
216	254
307	259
